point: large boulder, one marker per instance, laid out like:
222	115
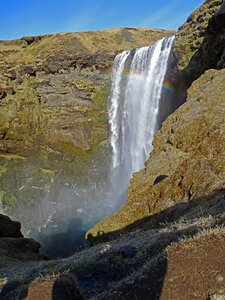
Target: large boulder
9	228
14	248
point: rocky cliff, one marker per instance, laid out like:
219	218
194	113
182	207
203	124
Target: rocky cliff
53	88
187	162
193	48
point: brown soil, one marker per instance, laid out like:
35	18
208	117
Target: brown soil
56	288
195	268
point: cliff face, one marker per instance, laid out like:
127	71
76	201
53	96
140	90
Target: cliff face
199	43
187	162
194	31
54	87
53	114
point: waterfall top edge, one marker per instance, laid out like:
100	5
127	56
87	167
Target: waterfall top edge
172	37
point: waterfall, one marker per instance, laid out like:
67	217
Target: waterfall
134	107
73	206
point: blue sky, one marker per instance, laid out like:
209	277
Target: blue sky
33	17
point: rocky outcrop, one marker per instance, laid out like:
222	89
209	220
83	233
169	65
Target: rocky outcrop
9	228
14	248
193	44
193	32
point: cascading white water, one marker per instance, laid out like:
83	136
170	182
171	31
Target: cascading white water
134	106
118	68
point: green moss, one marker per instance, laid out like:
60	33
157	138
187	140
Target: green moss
7	201
98	112
3	170
11	156
86	85
47	172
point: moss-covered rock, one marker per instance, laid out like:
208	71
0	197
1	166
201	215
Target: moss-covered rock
54	88
193	44
191	34
14	248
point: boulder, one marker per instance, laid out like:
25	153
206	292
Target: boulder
9	228
14	248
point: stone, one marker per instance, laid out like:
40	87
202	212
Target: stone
14	248
160	178
9	228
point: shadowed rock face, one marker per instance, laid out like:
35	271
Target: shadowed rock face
9	228
192	33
